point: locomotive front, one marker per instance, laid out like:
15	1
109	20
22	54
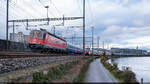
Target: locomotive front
36	39
46	42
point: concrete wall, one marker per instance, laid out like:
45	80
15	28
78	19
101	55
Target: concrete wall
14	46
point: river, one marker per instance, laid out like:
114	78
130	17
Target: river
139	65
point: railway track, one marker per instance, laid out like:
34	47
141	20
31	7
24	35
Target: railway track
10	65
14	61
7	55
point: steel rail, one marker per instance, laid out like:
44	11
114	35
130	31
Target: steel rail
7	56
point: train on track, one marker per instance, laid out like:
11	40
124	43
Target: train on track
43	41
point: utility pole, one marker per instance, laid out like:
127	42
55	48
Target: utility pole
54	30
47	14
103	44
63	20
13	31
98	42
26	24
107	45
92	39
84	28
103	47
73	38
7	14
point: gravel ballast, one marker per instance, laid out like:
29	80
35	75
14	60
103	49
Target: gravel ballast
9	65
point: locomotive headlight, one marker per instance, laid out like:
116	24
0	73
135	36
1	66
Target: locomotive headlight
34	41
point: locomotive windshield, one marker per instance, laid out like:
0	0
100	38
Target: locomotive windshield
32	34
39	34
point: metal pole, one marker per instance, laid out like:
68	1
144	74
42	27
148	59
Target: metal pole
98	42
107	45
54	29
103	48
141	80
84	28
47	14
63	20
27	25
73	38
13	34
13	31
103	44
92	39
7	14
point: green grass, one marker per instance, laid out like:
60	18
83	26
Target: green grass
57	72
53	73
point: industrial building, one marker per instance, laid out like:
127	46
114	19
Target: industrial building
127	51
19	37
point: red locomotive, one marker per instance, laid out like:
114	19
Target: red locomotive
87	51
45	41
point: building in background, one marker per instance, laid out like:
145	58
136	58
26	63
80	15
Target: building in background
127	51
19	37
99	51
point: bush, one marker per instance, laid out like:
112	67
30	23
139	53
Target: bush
129	76
125	76
53	73
40	78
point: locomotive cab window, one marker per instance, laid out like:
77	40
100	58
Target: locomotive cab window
44	36
39	34
32	34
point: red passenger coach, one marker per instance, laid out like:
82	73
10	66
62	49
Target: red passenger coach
45	41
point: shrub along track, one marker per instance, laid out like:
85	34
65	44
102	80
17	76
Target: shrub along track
69	72
123	76
14	68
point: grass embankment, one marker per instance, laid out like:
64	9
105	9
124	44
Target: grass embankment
123	76
84	69
69	72
53	73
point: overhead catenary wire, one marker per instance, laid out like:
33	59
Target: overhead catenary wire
14	13
23	11
18	9
36	11
79	3
90	10
2	11
48	9
56	8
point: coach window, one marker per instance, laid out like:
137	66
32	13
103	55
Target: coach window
57	42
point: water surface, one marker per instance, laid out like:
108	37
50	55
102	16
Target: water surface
139	65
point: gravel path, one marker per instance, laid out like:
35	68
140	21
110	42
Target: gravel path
97	73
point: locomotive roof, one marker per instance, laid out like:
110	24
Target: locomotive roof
51	34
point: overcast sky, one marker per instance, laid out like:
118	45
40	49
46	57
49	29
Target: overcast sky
119	23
